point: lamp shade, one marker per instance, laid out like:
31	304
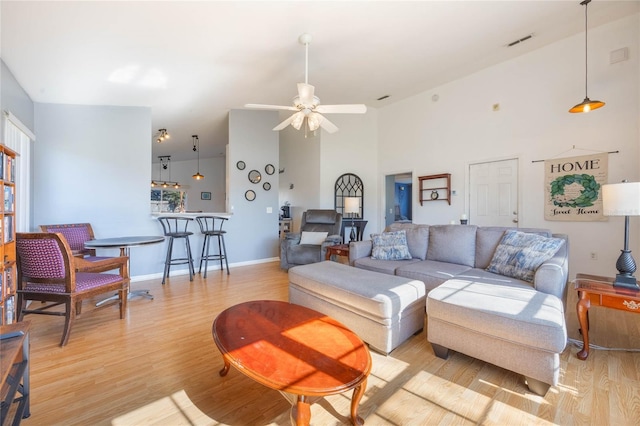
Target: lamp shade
352	205
621	199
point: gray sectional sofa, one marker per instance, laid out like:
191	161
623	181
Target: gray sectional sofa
442	252
513	323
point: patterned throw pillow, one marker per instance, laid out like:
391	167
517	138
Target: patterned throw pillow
519	254
390	246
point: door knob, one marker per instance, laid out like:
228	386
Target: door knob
515	220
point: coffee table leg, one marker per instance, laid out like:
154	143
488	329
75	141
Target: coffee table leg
358	391
583	311
226	367
302	411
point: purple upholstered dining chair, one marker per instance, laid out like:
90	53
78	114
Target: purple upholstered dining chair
46	273
86	260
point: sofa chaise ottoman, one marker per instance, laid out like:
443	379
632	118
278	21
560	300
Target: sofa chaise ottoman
383	310
517	328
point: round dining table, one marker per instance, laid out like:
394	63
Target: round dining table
125	244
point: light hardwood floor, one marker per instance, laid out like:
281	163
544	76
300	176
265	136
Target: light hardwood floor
160	366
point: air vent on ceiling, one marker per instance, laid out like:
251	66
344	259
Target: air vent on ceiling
383	97
513	43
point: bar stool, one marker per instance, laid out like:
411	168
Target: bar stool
176	227
211	226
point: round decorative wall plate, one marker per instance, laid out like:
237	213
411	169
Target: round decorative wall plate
434	195
240	165
269	169
266	186
250	195
254	176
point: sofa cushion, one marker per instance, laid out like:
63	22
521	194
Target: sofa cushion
417	238
316	238
390	246
452	244
522	315
488	238
519	254
383	266
430	272
486	277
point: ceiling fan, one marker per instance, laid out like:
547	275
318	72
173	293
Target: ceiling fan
307	106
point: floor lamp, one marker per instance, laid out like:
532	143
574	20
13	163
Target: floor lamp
623	199
352	208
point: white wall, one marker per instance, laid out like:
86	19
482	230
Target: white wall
300	182
252	231
353	149
13	98
534	92
314	163
93	164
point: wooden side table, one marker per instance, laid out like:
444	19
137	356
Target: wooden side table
338	250
599	291
14	370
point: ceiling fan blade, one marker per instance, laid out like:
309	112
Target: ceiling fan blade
328	126
305	93
285	123
295	120
342	109
261	106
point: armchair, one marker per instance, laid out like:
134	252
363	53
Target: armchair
85	260
47	273
293	252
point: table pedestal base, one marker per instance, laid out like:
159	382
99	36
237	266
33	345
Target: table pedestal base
143	293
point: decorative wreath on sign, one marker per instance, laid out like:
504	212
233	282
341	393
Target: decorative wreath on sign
574	191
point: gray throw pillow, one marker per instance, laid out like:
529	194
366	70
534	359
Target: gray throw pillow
519	254
390	246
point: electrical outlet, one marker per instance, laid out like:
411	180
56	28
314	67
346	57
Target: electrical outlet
593	255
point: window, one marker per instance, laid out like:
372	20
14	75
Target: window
167	200
19	138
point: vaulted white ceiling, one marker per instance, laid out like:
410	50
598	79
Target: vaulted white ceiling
192	62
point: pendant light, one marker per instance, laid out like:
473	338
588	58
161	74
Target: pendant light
162	135
586	105
165	161
196	141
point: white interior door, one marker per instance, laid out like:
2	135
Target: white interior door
493	193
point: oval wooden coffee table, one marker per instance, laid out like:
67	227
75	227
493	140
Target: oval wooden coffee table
293	349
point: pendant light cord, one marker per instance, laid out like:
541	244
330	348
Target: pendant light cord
586	40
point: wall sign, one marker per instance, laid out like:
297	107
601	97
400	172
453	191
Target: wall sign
573	188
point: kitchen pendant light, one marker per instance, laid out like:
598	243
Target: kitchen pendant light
587	104
196	141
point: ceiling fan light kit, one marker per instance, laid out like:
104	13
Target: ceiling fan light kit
307	106
587	104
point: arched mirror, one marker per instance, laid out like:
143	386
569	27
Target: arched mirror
349	186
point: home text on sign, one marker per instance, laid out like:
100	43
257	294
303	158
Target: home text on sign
575	166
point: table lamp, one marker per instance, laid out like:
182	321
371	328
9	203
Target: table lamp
352	207
623	199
